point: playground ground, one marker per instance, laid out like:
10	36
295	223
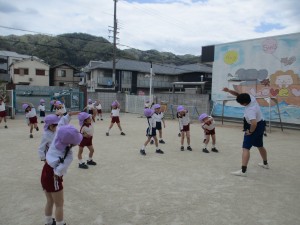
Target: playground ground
177	188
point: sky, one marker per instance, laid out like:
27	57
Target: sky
177	26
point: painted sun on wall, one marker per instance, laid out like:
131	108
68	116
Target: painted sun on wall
267	68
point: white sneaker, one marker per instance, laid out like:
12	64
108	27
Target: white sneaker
264	166
239	173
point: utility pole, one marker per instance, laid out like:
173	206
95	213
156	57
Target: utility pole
150	91
114	44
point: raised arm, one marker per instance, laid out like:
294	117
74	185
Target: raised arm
225	89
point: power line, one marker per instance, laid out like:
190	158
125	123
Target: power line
81	50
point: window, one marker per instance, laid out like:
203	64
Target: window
63	73
21	71
40	72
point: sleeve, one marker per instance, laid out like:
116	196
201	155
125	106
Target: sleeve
65	120
43	148
180	124
61	169
251	114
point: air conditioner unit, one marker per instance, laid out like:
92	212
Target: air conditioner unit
30	79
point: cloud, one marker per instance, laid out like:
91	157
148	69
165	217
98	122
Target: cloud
7	8
177	26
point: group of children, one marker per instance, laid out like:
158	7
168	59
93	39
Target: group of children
155	119
56	151
59	138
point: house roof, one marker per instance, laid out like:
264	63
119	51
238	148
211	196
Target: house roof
15	55
144	67
38	60
64	64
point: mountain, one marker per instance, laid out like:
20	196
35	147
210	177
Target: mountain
78	49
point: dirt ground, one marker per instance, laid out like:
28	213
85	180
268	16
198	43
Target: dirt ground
177	188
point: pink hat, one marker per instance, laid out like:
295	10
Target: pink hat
67	135
82	117
51	119
42	101
25	106
156	106
202	116
58	103
148	112
180	108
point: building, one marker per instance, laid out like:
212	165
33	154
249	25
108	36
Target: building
30	71
6	59
268	68
134	76
64	75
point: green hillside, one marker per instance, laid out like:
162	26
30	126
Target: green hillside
78	49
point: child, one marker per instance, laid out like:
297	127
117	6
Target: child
65	117
42	109
3	110
208	125
184	126
52	103
91	109
159	118
87	132
51	122
150	132
99	109
58	159
30	114
60	107
115	113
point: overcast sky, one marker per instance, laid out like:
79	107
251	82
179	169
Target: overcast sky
177	26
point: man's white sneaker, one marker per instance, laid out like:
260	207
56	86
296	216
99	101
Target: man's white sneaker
239	173
264	166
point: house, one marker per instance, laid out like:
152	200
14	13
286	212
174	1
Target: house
64	75
30	71
6	59
133	76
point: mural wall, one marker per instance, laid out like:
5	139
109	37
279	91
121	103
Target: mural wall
268	68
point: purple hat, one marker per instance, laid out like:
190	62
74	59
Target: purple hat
67	135
148	112
25	106
52	102
42	101
51	119
202	116
180	108
156	106
58	103
114	104
90	101
82	117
